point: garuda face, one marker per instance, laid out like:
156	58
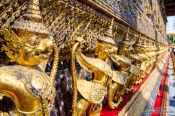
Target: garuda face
29	49
126	49
103	50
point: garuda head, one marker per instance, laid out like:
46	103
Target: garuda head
28	40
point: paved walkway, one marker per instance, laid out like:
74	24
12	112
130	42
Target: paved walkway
171	111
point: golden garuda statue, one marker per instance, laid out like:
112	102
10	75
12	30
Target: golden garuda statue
91	93
28	44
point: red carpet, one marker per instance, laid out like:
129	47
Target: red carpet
159	99
126	97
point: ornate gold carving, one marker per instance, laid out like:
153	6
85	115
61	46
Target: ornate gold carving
28	44
100	69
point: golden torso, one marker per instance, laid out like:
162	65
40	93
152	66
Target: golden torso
19	82
100	78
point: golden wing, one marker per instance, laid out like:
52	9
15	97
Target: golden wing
13	44
12	38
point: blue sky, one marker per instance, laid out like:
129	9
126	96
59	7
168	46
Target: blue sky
170	26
